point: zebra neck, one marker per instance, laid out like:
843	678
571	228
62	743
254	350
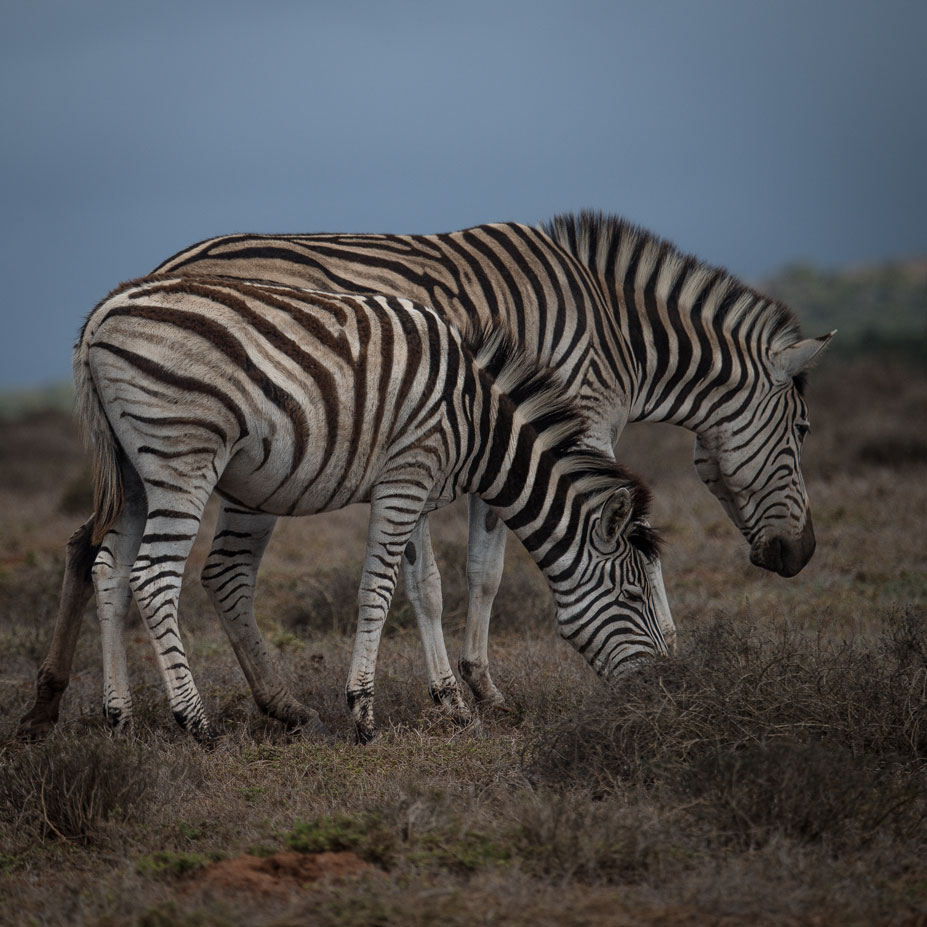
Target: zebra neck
695	334
531	489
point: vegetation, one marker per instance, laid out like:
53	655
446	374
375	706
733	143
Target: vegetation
880	309
774	771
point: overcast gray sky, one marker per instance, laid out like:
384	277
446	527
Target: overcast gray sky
751	133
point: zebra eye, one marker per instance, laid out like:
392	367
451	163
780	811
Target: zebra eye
803	429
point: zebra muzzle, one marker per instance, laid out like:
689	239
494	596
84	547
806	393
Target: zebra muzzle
785	555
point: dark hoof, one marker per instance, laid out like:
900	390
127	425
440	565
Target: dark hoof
474	730
365	736
199	729
207	737
34	728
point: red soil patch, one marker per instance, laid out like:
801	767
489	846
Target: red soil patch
279	874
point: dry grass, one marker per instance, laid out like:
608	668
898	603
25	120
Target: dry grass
773	772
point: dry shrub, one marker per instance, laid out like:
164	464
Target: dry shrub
75	787
326	601
607	840
320	602
811	792
761	734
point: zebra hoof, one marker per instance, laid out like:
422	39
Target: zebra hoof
199	729
118	719
450	701
365	735
33	727
474	730
207	738
476	675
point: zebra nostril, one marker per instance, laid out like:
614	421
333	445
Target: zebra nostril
768	555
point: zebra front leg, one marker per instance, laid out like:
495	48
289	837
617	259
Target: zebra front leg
391	524
485	562
230	577
55	671
423	587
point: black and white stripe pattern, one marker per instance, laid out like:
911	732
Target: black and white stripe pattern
636	330
289	402
713	356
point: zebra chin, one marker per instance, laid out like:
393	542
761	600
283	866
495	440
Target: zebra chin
783	554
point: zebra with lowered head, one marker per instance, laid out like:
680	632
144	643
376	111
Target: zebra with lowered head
289	402
636	330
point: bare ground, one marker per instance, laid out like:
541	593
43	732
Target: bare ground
772	773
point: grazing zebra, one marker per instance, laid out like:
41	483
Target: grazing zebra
290	402
636	330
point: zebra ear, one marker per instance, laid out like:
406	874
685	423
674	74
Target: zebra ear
798	357
616	510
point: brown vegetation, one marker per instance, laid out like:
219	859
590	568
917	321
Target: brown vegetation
773	772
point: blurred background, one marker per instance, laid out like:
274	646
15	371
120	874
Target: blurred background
784	141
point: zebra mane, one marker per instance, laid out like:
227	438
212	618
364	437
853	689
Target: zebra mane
597	238
560	426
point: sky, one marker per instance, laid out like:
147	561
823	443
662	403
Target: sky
753	134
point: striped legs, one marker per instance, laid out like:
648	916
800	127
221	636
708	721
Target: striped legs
111	572
169	532
230	577
423	588
392	521
485	562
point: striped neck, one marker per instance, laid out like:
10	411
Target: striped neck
528	485
527	464
697	335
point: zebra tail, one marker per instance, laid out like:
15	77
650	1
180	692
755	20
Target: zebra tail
106	454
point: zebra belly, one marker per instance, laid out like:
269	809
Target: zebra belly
315	485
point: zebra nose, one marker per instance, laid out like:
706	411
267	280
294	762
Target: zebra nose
785	555
798	551
768	555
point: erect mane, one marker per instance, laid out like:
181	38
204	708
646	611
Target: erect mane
559	425
536	390
597	239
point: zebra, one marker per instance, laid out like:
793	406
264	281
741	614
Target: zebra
290	402
637	330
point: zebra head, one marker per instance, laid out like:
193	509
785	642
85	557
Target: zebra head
613	607
750	459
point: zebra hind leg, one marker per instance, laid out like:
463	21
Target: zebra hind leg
170	529
229	577
423	588
111	570
55	671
